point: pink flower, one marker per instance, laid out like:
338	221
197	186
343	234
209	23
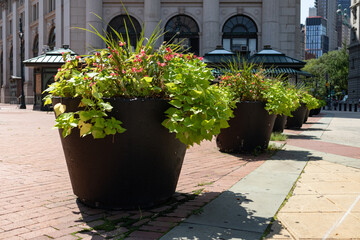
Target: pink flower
62	53
123	71
133	69
168	49
161	64
97	54
110	56
78	57
201	58
121	44
59	69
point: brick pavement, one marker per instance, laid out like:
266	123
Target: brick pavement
37	202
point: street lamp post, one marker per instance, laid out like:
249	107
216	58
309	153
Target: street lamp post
21	36
344	13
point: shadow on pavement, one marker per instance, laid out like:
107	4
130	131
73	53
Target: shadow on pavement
302	137
309	129
119	224
227	217
294	155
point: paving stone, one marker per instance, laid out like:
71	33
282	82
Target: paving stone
278	232
309	204
308	225
347	229
190	231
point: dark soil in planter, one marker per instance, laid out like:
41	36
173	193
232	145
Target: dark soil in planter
249	130
280	122
297	120
136	169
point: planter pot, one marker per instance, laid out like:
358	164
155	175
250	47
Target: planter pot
138	168
280	122
250	129
311	112
297	120
306	115
315	111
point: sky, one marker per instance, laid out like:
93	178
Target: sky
305	4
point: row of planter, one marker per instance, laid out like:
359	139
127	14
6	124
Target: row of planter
141	167
127	114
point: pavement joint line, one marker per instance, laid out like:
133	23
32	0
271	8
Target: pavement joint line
339	221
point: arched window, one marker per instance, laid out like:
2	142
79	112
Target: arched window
11	66
184	30
122	24
35	48
240	34
52	39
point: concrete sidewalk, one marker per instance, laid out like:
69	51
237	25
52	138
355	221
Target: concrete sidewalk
324	203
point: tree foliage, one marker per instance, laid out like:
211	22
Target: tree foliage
331	68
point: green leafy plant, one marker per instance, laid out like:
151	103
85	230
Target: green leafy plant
310	101
277	136
198	110
245	83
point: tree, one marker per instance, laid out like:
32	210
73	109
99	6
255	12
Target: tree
330	72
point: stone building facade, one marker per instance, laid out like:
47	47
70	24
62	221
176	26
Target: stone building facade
201	24
354	53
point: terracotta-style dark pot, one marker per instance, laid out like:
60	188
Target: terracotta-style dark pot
250	129
315	111
136	169
280	122
297	120
307	113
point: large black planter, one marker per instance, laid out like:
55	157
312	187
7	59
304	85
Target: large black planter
297	120
307	113
315	111
138	168
280	122
250	129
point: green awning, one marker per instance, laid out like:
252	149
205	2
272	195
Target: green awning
49	59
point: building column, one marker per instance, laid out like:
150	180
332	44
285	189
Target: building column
66	27
28	85
211	26
93	6
43	38
152	15
15	39
5	84
270	24
58	24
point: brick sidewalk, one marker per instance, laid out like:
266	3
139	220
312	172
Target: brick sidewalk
37	202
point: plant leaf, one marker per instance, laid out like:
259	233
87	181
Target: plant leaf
59	108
